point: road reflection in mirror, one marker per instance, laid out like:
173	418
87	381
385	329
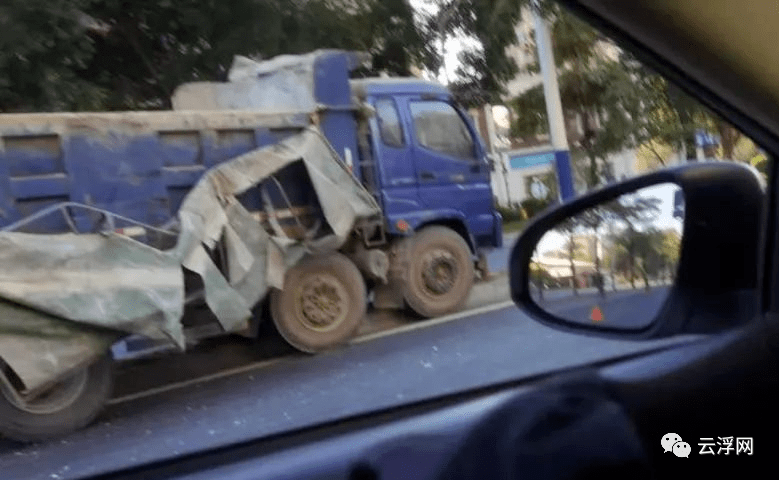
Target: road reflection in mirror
612	265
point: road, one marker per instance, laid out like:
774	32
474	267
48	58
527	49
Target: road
234	391
627	308
498	259
231	390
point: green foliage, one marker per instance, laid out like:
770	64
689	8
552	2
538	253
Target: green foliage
541	276
760	162
43	44
646	253
620	103
118	54
533	206
511	214
485	68
593	87
531	118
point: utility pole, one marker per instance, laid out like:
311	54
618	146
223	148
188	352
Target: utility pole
495	156
554	108
443	20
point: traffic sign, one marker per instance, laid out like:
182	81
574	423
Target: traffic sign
538	190
705	139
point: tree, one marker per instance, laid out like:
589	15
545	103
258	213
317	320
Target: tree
651	252
632	248
485	67
120	54
618	103
572	249
674	117
669	249
595	89
592	220
628	243
43	46
541	278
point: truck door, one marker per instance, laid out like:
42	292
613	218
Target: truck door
452	172
396	166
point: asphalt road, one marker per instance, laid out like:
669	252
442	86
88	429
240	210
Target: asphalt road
498	259
235	390
632	309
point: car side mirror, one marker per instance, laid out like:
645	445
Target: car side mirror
671	252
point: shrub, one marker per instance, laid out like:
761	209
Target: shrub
511	214
532	206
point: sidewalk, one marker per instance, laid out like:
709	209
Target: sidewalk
509	239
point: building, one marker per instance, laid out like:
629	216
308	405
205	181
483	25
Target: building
521	163
560	270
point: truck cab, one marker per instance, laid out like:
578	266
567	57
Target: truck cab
431	167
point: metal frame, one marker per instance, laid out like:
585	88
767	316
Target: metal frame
110	218
272	217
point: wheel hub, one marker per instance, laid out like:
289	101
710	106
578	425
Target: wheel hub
439	271
322	303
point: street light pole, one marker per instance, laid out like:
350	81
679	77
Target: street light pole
554	107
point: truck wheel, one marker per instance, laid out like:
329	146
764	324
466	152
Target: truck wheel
63	408
322	303
440	272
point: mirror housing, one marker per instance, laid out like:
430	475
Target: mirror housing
716	285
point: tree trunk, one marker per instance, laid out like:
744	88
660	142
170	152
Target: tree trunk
729	136
684	110
571	249
598	275
690	148
506	181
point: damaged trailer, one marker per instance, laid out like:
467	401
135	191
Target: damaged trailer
174	226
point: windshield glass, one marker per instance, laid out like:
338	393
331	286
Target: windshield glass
225	220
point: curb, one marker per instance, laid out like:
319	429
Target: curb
493	291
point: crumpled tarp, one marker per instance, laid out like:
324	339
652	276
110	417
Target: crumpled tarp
74	284
280	84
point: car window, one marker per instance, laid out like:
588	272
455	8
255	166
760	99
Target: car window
353	299
389	123
439	127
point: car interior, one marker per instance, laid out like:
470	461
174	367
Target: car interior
606	419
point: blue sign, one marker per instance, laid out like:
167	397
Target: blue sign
519	162
705	139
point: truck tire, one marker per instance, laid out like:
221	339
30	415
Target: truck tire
322	304
65	407
440	272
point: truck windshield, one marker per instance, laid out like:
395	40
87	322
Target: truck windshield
438	126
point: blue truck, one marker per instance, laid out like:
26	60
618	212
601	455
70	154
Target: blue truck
291	185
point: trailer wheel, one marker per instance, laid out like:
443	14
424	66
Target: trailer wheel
440	272
69	405
322	303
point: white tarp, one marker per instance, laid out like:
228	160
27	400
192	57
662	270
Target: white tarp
281	84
